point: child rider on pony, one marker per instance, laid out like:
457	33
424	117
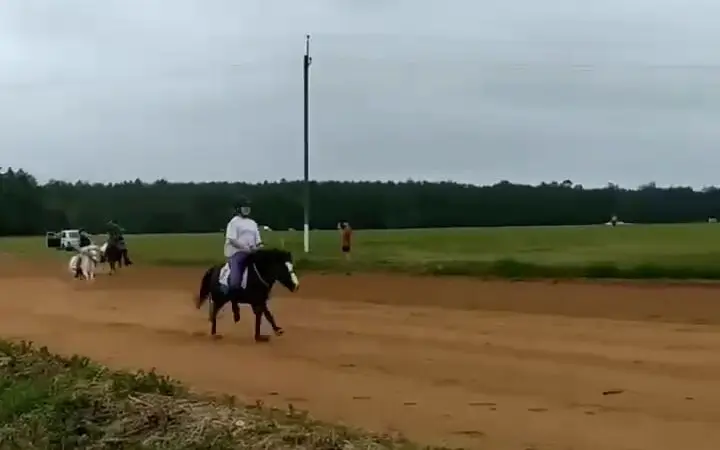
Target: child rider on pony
242	237
116	239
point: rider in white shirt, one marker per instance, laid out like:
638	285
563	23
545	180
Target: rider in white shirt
242	237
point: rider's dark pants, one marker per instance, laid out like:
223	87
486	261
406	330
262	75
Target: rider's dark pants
237	265
123	252
125	257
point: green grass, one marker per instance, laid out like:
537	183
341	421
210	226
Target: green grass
634	251
51	402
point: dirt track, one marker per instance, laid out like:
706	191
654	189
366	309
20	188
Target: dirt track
497	366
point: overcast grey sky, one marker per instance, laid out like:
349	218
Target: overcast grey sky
477	91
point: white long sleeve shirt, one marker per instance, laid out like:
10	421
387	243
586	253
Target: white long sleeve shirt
244	232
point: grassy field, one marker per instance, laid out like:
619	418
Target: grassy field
633	251
51	402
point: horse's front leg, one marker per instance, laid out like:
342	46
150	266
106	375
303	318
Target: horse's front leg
270	318
87	272
258	310
212	316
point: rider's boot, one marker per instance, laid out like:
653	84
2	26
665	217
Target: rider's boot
236	313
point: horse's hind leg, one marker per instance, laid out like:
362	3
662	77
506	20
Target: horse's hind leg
258	310
212	316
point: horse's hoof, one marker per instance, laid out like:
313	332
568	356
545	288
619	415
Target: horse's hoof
279	332
216	337
262	338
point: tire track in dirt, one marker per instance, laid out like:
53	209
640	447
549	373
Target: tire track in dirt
499	366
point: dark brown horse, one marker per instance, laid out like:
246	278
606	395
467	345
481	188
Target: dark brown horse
264	268
113	255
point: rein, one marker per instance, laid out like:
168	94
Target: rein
260	277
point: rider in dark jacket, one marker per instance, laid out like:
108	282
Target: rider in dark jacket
116	238
85	239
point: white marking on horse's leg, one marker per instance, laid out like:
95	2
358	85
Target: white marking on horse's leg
293	276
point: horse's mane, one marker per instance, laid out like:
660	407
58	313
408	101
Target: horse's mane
265	255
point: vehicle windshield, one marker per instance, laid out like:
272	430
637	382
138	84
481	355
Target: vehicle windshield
73	234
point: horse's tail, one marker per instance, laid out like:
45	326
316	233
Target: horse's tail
205	288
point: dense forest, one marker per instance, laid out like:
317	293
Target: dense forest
27	207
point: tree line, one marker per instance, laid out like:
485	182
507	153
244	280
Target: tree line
29	208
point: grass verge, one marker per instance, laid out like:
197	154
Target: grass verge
52	402
672	252
504	268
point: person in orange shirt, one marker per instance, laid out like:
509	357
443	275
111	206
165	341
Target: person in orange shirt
346	239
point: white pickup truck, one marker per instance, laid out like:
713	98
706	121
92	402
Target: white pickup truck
64	240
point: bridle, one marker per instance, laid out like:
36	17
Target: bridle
260	277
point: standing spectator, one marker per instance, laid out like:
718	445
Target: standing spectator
346	233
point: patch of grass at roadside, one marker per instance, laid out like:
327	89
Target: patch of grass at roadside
52	402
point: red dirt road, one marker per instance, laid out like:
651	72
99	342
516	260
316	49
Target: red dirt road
497	366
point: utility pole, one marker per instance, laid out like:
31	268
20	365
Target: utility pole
307	60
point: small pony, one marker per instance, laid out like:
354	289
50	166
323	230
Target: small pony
83	264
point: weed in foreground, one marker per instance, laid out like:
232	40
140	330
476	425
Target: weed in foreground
52	402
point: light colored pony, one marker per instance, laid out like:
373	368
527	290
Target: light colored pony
86	260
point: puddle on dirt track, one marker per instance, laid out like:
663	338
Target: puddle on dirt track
461	362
